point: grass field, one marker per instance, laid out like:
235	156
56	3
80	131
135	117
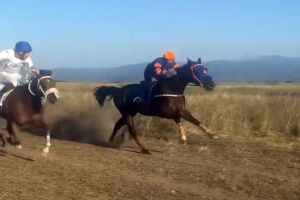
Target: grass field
256	157
261	110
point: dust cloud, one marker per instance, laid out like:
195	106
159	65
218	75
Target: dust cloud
94	128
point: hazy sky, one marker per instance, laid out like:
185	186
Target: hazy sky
109	33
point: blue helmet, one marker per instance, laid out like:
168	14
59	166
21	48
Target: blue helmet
23	47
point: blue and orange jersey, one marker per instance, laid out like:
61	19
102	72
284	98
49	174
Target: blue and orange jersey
160	64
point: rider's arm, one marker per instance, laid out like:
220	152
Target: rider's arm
31	66
3	55
30	63
175	65
157	67
3	59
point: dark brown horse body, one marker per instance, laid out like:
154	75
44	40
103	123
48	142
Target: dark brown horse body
23	106
167	100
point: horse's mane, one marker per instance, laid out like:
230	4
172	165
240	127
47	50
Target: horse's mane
45	73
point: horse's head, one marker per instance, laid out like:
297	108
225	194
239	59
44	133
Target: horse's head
43	85
198	74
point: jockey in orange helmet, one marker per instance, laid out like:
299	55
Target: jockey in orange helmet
159	67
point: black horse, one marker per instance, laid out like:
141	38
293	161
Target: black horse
167	99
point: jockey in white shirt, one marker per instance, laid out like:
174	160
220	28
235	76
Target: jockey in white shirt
12	61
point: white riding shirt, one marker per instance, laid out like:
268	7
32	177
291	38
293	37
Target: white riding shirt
11	66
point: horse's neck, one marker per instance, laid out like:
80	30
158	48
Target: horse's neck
183	83
184	75
176	84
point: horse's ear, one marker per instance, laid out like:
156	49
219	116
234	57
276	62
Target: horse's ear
189	61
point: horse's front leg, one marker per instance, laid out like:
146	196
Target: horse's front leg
42	124
185	114
2	137
181	130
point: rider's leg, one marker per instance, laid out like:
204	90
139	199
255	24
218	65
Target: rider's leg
9	81
143	84
8	86
5	82
148	83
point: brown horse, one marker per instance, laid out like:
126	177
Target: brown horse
23	106
167	99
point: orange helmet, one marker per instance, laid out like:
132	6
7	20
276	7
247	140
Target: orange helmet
170	55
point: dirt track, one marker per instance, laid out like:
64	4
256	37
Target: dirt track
227	169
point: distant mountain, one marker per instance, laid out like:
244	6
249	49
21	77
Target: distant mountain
262	69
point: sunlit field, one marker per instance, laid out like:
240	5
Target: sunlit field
257	154
245	109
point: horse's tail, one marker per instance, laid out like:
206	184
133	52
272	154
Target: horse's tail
103	92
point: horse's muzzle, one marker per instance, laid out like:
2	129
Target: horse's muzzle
52	98
209	86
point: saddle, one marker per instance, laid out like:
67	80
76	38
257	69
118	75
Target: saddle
145	94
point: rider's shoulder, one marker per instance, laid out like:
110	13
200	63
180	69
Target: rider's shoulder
7	52
159	60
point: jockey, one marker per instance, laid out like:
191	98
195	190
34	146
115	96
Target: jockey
12	61
160	67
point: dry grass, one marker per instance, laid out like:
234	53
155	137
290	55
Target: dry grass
241	167
231	109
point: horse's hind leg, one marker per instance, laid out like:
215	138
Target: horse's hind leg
132	132
118	125
13	130
185	114
2	139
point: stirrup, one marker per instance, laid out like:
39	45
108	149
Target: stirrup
137	100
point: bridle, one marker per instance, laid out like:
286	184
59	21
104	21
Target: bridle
192	67
45	93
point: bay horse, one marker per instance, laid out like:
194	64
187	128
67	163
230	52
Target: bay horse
167	100
23	105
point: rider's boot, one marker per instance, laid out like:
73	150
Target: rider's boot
147	98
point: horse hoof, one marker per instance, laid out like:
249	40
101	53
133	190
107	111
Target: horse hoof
46	150
18	146
111	140
212	136
45	154
146	151
184	142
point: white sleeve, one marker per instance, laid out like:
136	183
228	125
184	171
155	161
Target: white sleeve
3	55
3	58
30	63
